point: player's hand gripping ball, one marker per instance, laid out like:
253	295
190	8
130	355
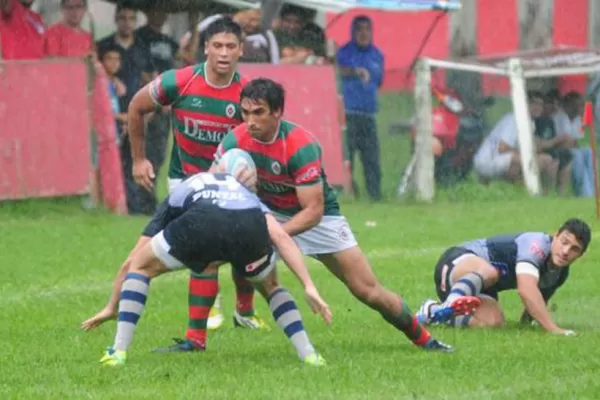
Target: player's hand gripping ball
239	163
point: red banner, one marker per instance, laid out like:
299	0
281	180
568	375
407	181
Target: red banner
44	129
311	101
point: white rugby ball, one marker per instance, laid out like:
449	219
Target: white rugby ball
236	159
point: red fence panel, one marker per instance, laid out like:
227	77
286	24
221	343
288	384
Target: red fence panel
497	33
311	101
44	129
571	21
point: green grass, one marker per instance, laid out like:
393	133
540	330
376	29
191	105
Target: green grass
58	262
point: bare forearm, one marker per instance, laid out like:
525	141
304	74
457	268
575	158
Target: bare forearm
135	129
293	258
536	308
306	219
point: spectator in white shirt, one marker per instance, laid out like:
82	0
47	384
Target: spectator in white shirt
568	122
498	156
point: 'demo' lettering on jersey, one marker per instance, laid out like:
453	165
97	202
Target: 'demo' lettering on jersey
195	129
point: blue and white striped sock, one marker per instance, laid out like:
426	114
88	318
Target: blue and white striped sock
469	285
131	305
288	318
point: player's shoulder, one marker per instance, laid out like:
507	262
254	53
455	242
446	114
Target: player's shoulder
294	133
240	130
186	73
536	244
541	237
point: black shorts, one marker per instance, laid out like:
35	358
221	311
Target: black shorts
564	156
206	234
443	271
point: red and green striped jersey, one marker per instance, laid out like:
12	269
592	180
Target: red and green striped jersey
202	114
293	159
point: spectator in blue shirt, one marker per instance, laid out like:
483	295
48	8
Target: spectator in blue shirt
361	66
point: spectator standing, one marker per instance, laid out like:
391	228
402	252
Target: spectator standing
67	38
260	46
164	52
361	66
110	59
137	69
21	31
163	49
300	41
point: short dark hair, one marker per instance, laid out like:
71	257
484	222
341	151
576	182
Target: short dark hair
125	5
572	96
580	229
223	25
263	89
109	48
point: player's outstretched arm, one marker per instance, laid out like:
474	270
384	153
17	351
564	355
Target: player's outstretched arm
110	309
527	286
294	260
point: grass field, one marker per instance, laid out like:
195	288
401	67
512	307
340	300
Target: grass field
58	261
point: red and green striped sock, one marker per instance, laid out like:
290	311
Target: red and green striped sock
244	292
203	289
409	325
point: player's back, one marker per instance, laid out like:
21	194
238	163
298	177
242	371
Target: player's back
291	160
202	114
504	252
216	191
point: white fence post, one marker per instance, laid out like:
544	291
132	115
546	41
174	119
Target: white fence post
524	127
424	166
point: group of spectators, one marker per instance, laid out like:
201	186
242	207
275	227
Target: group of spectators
132	56
563	155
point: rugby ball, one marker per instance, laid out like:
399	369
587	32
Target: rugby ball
234	160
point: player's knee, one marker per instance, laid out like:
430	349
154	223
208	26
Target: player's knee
488	321
489	314
267	286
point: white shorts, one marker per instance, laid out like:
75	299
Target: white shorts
171	183
162	249
492	167
332	235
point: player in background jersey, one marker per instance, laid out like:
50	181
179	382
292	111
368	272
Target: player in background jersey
207	220
292	183
534	263
204	100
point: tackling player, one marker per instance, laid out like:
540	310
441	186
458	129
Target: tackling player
534	263
292	183
207	220
204	99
